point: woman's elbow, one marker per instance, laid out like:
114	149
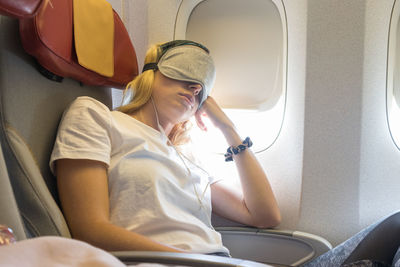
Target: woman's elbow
276	220
270	221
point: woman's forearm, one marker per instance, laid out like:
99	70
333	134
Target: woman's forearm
110	237
257	192
258	206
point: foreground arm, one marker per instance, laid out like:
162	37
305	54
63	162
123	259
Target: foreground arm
83	190
256	205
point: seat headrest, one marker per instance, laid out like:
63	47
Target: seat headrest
49	37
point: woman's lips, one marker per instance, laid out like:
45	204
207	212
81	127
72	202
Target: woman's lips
189	99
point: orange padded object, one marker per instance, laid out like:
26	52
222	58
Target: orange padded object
94	35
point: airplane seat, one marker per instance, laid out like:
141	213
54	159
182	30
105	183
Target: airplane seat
31	107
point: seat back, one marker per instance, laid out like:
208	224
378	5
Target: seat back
30	109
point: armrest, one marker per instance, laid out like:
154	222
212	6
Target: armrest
248	246
276	247
181	259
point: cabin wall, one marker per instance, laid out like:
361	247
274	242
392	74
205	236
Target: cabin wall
380	159
350	175
332	119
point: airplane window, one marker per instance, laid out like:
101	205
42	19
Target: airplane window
393	76
248	42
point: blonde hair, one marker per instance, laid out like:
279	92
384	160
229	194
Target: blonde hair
142	86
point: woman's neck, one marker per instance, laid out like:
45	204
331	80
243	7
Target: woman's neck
147	115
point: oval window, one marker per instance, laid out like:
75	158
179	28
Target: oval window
248	41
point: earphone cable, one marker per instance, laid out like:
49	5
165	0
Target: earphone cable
183	157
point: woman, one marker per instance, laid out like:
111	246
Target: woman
124	184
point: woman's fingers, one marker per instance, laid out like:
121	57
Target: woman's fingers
199	120
215	114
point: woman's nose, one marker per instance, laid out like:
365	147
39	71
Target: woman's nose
196	88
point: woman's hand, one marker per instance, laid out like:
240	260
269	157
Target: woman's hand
219	119
212	110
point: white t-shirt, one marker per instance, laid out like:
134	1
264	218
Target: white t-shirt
150	190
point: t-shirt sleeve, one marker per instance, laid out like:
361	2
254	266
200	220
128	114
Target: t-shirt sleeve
84	132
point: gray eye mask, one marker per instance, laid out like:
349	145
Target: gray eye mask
190	64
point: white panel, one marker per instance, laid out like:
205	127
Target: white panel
161	20
247	42
332	119
347	183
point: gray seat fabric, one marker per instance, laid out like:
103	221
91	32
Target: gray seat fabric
381	243
30	109
375	245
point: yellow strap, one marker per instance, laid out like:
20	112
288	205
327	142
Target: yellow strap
94	35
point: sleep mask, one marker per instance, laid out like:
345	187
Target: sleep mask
179	60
